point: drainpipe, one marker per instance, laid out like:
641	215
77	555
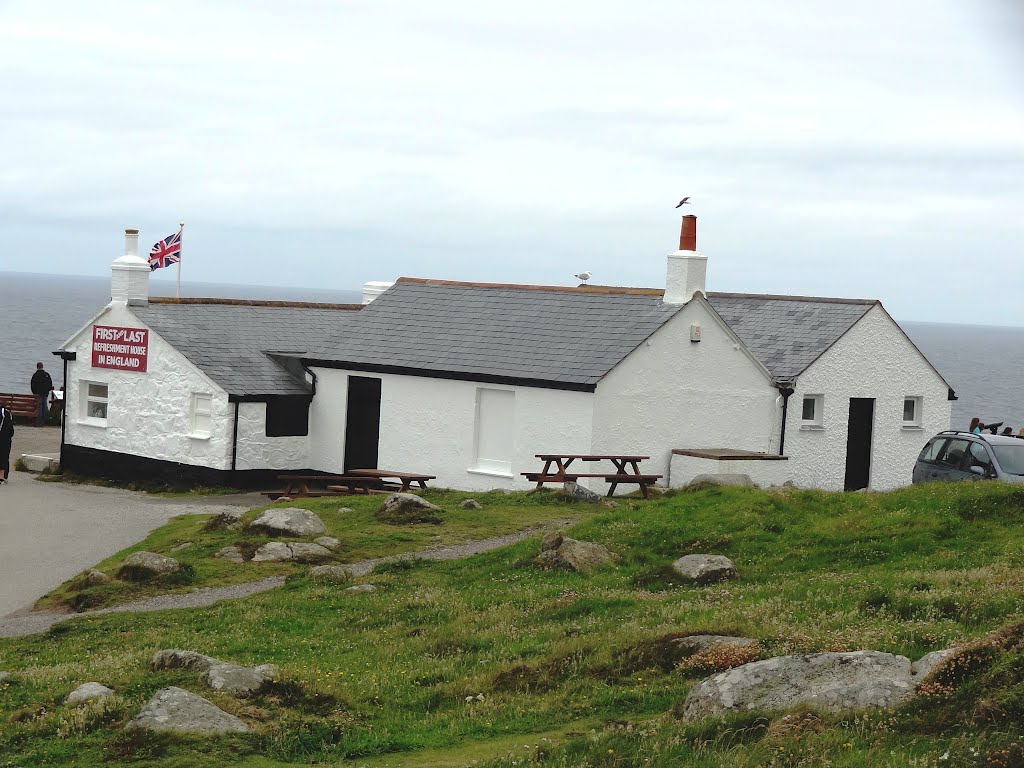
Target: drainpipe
234	441
66	357
786	390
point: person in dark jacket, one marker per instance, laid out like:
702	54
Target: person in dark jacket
42	386
6	433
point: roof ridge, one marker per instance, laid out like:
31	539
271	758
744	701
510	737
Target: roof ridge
253	303
784	297
591	289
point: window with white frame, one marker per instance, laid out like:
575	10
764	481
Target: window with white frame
912	407
202	410
494	430
94	402
812	411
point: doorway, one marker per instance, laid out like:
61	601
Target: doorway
362	423
858	443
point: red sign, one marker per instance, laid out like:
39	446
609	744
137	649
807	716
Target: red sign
124	349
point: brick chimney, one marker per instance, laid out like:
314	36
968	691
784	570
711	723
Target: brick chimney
129	280
687	269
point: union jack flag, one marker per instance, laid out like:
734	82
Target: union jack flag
165	252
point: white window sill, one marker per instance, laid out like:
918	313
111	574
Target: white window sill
91	423
812	427
913	427
199	437
491	473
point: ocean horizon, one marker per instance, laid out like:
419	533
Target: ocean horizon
41	311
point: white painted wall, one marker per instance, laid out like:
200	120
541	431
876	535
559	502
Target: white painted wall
874	359
672	393
149	414
764	473
428	425
257	451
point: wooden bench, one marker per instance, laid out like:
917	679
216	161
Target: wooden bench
642	480
307	486
26	406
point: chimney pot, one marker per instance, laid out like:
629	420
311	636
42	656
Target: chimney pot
688	234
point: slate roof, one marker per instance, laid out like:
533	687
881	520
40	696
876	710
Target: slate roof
788	333
538	335
228	339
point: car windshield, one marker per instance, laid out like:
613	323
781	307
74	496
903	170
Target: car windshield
1010	458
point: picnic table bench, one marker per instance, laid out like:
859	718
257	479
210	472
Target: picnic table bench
26	406
627	471
390	479
354	481
306	486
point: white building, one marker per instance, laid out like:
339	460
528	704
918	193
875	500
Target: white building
469	382
174	390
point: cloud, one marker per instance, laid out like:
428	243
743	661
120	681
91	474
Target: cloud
522	140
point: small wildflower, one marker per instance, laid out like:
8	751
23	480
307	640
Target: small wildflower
611	751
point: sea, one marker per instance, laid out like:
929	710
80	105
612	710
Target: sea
39	312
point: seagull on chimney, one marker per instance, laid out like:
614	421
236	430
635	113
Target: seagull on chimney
584	276
684	201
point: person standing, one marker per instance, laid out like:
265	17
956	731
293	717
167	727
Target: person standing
6	433
42	386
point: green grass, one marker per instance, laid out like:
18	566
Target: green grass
458	662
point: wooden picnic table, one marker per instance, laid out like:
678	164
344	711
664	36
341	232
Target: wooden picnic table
304	486
389	475
627	470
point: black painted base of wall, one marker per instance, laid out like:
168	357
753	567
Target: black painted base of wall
127	468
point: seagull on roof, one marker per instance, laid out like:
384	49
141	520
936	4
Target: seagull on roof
584	276
684	201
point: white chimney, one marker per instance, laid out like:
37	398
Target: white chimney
129	280
687	269
373	289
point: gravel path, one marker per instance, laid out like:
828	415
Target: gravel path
33	623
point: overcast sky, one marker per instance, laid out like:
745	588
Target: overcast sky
871	149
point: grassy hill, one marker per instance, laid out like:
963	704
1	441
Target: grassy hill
489	660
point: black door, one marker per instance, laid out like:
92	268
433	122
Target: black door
858	443
362	425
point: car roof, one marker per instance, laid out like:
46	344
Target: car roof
990	439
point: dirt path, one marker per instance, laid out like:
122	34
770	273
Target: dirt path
33	623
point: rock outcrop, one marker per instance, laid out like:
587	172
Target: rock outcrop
835	682
704	569
577	491
471	504
558	551
174	709
336	574
148	564
290	521
405	508
291	551
232	554
88	692
237	681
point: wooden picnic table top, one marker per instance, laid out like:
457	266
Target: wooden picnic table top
588	456
382	473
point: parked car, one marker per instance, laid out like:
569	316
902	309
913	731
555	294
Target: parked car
955	455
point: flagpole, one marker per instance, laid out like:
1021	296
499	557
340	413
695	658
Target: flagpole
181	228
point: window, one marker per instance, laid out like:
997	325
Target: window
931	451
494	430
954	454
94	402
288	416
912	412
812	411
202	419
977	456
